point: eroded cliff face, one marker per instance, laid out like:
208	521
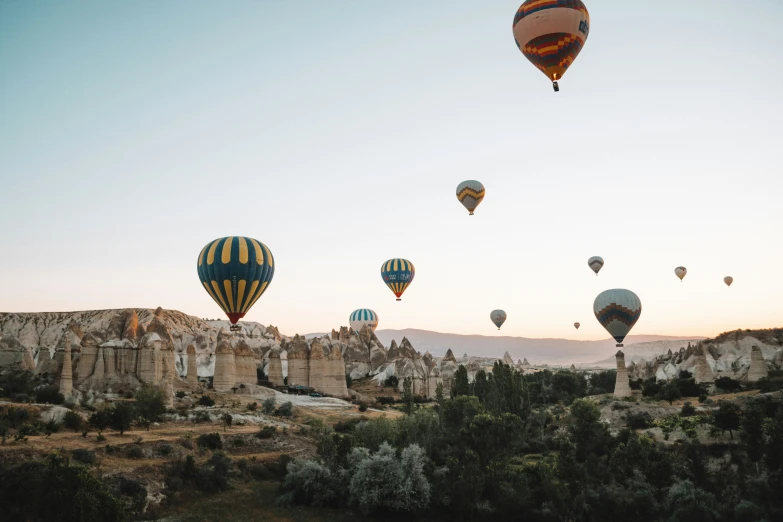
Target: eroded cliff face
741	354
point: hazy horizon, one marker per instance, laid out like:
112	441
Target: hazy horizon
133	134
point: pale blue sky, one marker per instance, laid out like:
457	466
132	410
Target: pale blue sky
132	133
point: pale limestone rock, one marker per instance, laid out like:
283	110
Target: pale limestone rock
223	379
275	369
758	368
100	366
66	376
298	361
192	375
507	359
702	373
89	354
621	386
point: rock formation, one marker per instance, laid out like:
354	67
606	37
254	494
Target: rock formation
224	367
275	370
15	355
702	371
507	359
621	386
192	375
66	376
757	369
298	361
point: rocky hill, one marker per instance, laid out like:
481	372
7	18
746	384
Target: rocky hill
635	352
740	354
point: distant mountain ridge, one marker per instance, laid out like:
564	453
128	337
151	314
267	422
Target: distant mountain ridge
548	350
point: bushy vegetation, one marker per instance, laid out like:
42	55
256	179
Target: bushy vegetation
269	405
55	490
206	400
506	447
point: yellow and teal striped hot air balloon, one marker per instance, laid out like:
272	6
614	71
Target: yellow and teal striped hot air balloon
398	273
235	271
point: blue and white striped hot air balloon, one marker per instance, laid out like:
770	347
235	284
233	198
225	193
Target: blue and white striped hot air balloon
361	317
398	274
617	310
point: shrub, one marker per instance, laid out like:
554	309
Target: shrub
201	416
630	398
166	450
238	441
180	394
385	400
100	419
150	403
348	381
51	427
73	421
227	420
266	432
211	441
392	381
285	410
702	398
135	452
670	392
362	406
269	405
84	456
639	421
727	384
186	441
253	406
121	417
215	473
311	483
206	400
650	388
687	410
50	395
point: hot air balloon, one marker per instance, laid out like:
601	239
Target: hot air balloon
361	317
550	33
398	273
498	317
680	271
728	280
596	263
617	310
577	325
235	272
470	193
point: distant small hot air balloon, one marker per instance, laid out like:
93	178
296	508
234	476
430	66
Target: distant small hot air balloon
617	310
680	271
470	193
596	263
498	317
235	271
398	274
550	33
577	325
361	317
728	280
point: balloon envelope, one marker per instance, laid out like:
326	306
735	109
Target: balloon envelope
617	310
498	317
398	274
470	193
550	33
728	280
596	263
361	317
577	325
680	272
235	271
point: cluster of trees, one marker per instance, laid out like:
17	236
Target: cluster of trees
507	447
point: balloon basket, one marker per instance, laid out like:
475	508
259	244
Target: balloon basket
555	86
398	299
235	328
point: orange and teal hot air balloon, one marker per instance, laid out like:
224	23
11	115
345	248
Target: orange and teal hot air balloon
550	33
398	273
235	271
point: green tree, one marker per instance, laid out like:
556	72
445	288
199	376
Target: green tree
460	386
73	421
122	417
407	395
773	454
588	432
268	406
687	503
752	434
101	419
227	420
727	417
150	402
670	392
